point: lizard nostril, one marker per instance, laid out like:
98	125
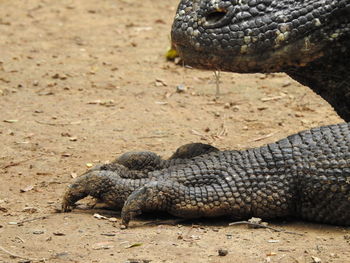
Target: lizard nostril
216	16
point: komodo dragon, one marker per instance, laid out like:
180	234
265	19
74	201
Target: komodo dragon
306	175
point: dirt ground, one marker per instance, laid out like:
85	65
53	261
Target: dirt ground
84	81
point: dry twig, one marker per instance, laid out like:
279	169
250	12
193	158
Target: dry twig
32	219
263	226
20	162
264	137
12	255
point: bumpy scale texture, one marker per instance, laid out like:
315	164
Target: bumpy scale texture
307	39
306	175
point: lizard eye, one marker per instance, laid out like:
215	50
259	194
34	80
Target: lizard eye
219	17
216	16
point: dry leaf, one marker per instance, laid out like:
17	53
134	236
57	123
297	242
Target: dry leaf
59	234
316	259
11	121
134	245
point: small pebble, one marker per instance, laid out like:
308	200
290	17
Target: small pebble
180	88
222	252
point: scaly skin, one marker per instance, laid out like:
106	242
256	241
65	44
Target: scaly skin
309	40
306	175
113	183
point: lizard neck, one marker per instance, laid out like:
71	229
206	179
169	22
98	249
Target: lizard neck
329	76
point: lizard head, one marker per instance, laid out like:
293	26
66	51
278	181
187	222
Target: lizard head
257	35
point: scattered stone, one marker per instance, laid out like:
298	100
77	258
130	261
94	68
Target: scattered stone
286	84
195	237
235	108
222	252
59	76
180	88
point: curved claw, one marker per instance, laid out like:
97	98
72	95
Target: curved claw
74	193
65	206
145	198
133	205
94	183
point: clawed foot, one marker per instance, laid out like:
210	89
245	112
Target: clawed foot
129	181
132	206
147	198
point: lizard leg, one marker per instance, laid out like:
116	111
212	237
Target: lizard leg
106	186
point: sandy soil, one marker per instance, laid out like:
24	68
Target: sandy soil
84	81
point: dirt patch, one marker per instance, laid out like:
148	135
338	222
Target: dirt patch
84	81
